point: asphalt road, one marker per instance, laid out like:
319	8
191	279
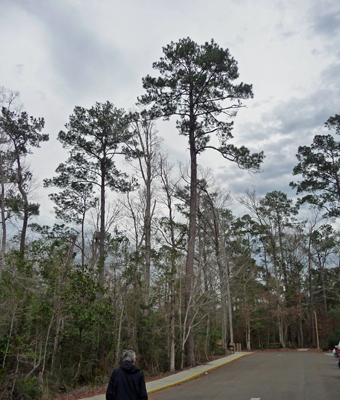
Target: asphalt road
264	376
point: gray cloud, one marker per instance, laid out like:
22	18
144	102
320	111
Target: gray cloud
326	23
288	34
238	181
297	118
84	62
19	70
279	134
302	117
331	75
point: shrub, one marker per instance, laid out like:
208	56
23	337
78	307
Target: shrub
29	389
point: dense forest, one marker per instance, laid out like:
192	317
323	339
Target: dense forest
149	255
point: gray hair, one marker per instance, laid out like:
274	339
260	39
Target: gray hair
129	355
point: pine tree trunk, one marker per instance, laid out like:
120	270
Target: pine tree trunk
172	325
147	228
101	266
230	310
311	302
189	271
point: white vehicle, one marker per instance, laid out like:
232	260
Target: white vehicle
336	350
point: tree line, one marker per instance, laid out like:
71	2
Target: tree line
163	266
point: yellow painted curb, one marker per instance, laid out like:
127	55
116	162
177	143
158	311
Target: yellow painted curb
196	375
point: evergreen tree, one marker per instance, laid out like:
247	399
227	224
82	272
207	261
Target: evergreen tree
23	133
94	137
319	165
196	84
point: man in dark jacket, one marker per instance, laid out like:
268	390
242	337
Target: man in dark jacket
127	382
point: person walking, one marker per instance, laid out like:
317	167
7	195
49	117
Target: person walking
127	381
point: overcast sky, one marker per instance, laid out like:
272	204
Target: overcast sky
63	53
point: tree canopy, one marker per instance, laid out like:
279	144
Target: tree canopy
196	83
94	138
319	165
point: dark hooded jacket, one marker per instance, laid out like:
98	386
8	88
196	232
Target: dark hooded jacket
126	383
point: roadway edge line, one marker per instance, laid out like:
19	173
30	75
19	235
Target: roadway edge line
196	375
